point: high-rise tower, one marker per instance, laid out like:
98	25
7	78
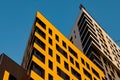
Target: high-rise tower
50	55
96	44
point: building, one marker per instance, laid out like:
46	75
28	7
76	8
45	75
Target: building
96	44
50	55
9	70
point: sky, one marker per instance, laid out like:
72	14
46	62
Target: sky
17	17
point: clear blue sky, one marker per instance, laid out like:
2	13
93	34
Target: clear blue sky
17	17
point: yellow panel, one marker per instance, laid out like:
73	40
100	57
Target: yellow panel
35	76
6	75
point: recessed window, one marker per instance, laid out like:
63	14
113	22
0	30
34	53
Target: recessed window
40	71
50	31
77	65
71	60
40	43
58	58
64	53
87	65
50	64
76	74
82	60
95	72
62	74
50	77
41	23
50	52
64	44
40	32
72	52
39	55
57	37
87	74
50	41
66	65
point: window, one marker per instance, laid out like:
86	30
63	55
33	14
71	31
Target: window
118	73
50	41
66	65
64	44
41	23
82	60
40	43
58	58
62	74
39	55
41	33
87	74
95	79
71	60
76	74
87	65
11	77
40	71
50	52
50	77
61	51
73	52
50	64
77	64
95	72
50	31
57	37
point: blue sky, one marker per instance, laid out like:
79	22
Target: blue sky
17	17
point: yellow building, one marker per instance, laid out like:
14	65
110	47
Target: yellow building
51	56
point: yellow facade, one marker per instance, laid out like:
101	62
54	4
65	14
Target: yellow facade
60	59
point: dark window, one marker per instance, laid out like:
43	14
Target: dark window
50	52
31	79
77	65
62	74
50	41
57	37
87	65
40	43
50	77
87	74
50	31
76	74
66	65
61	50
39	55
58	58
64	44
73	52
41	23
11	77
50	64
71	39
40	71
71	60
95	72
95	79
82	60
40	32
